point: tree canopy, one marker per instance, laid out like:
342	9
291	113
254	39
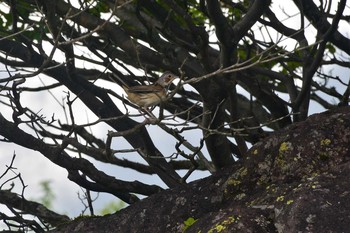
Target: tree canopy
246	68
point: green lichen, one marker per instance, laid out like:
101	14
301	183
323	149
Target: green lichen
289	202
188	222
280	198
315	185
325	142
271	188
233	182
284	147
219	227
235	179
262	180
243	171
240	196
324	155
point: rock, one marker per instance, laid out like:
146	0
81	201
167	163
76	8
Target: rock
296	180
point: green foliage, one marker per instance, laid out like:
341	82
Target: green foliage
331	49
6	21
292	66
100	7
24	9
197	15
48	196
111	207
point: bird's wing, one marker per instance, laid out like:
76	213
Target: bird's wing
144	89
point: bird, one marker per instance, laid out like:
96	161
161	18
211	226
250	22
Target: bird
146	96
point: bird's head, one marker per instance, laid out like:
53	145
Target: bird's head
166	79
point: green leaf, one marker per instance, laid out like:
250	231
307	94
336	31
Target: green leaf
189	222
100	7
331	48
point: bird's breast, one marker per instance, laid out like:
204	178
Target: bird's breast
146	99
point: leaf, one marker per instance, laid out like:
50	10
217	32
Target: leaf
189	222
99	8
331	48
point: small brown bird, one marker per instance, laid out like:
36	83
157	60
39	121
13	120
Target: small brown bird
150	95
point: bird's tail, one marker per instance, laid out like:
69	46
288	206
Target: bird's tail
117	79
